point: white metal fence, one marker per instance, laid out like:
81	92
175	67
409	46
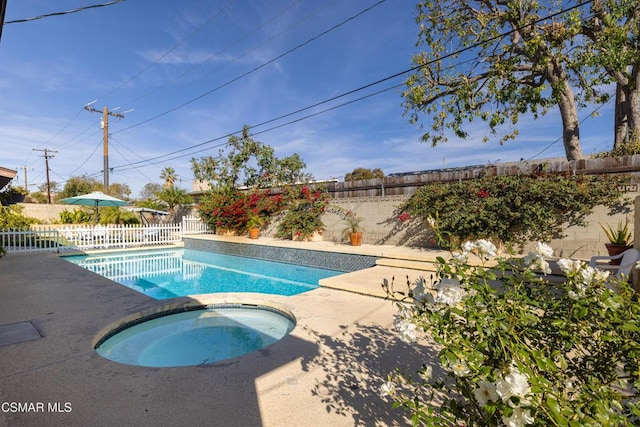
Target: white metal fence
80	237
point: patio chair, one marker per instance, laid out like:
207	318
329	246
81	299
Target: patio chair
627	259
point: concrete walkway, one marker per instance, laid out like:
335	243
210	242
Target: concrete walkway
327	372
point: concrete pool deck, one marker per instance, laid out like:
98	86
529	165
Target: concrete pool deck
327	372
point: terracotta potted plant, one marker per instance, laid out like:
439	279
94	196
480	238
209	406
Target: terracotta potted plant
353	230
620	238
255	223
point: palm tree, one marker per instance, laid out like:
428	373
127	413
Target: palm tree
170	177
173	197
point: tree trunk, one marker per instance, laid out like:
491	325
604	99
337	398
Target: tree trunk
634	105
570	122
620	123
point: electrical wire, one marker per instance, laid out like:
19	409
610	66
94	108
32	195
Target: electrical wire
162	158
560	138
233	44
114	146
164	55
259	67
244	54
80	9
87	159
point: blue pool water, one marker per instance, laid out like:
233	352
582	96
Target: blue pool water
196	337
171	273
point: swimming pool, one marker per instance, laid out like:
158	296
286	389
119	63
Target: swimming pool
171	273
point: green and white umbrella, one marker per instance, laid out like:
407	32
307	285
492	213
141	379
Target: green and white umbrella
95	199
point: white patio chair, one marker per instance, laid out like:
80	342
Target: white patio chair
627	259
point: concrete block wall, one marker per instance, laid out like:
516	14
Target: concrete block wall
380	222
382	226
45	213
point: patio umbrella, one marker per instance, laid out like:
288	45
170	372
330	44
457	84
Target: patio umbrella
95	199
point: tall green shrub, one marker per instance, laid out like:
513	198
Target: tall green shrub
12	217
513	209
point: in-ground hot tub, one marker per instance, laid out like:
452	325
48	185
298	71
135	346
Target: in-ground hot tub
195	335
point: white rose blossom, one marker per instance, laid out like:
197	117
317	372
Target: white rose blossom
518	418
468	246
421	295
461	256
486	248
544	250
485	392
450	291
460	368
387	389
569	265
537	262
514	383
426	372
407	329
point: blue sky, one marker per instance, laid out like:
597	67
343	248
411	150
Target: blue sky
194	71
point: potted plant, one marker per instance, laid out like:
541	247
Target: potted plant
620	238
255	223
3	251
353	229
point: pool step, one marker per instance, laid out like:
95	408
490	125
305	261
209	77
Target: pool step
406	264
369	281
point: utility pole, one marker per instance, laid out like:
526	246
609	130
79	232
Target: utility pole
24	169
47	155
105	137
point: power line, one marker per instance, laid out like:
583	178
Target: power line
80	9
150	161
164	55
236	42
259	67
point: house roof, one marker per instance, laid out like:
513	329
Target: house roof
6	175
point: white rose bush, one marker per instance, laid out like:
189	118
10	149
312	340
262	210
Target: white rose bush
516	348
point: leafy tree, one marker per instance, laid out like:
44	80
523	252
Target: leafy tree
247	162
169	176
53	185
150	191
613	32
363	173
39	197
121	191
77	185
173	197
469	71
